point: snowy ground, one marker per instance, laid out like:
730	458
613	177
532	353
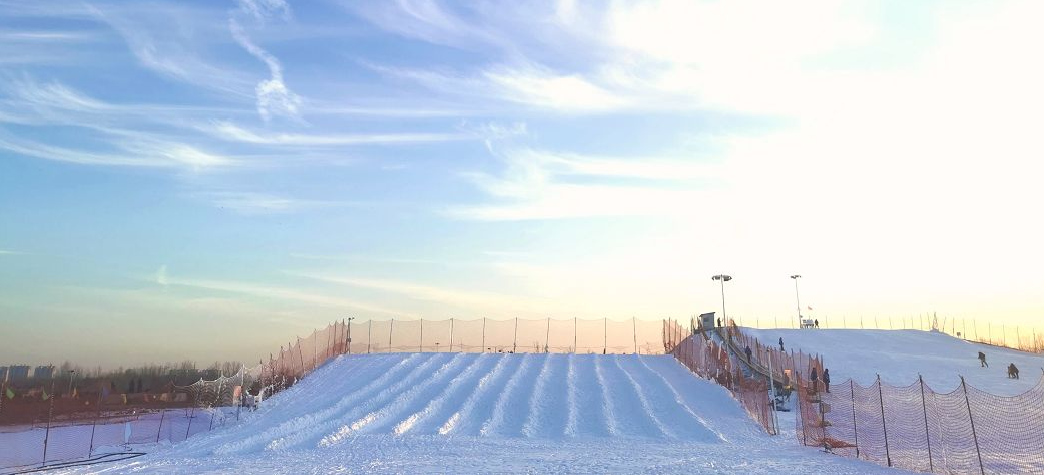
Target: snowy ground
494	413
900	355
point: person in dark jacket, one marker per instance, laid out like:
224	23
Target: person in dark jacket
1013	372
982	360
781	345
815	380
826	379
747	351
817	323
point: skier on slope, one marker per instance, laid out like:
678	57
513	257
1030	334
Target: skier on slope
781	345
814	377
982	360
826	378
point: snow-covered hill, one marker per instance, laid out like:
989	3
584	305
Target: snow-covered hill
900	355
495	413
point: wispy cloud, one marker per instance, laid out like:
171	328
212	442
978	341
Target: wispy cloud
232	132
161	275
471	299
547	185
273	97
172	40
142	153
286	293
250	203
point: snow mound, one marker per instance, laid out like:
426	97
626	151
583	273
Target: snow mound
900	355
494	413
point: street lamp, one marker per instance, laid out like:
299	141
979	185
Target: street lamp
798	295
722	278
350	334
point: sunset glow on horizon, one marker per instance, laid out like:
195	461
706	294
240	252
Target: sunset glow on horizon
204	180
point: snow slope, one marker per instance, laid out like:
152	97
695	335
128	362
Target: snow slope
493	413
900	355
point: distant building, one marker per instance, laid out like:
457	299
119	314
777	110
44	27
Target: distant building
43	372
17	372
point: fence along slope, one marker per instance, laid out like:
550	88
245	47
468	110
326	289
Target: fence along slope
75	425
707	359
967	430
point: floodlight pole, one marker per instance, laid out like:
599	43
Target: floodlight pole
797	294
722	278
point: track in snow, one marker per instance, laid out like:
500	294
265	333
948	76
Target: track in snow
493	413
532	395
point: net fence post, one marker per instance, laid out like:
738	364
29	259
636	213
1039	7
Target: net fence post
634	332
192	411
483	334
975	437
300	356
884	424
369	333
420	344
159	430
94	425
50	413
390	328
574	335
927	436
451	335
855	423
547	335
514	339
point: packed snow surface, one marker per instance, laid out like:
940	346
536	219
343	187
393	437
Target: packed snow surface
899	356
494	413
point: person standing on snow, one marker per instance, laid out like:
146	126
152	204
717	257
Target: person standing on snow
982	360
826	379
815	380
781	345
747	351
817	323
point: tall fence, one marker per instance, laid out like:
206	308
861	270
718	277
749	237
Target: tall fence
572	335
698	351
50	424
916	428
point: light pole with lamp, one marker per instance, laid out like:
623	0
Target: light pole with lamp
798	295
723	278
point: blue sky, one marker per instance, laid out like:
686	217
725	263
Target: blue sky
208	178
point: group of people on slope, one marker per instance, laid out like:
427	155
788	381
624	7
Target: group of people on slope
814	379
1013	371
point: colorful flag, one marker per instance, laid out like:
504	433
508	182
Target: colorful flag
10	394
45	396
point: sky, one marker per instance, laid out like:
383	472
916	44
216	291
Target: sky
204	180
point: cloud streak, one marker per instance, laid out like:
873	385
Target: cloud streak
273	97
